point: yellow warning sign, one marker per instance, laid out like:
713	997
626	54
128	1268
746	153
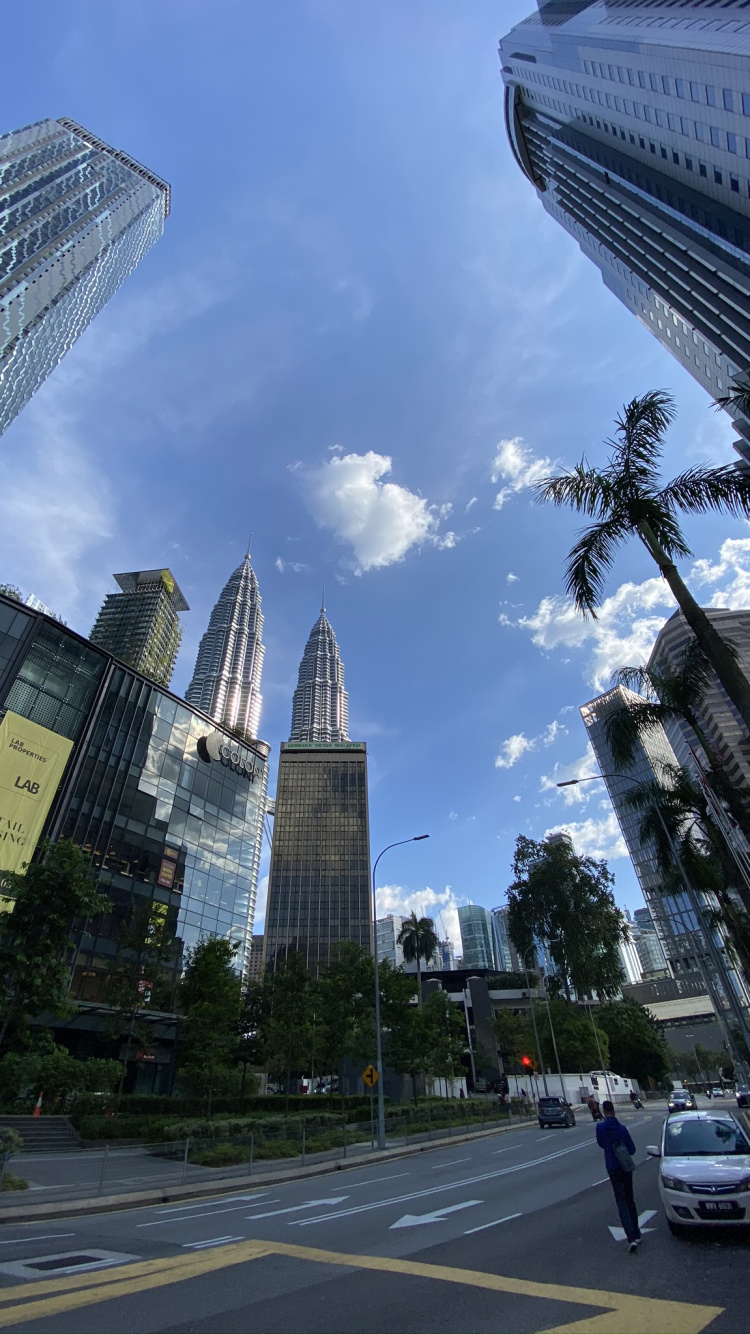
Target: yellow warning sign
370	1076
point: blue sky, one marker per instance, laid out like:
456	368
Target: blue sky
360	338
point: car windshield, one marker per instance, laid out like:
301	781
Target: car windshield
707	1136
549	1102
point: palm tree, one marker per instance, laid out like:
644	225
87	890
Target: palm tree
418	940
737	401
627	499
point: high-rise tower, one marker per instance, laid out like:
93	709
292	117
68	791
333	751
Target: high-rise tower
631	118
141	624
319	880
226	680
320	709
76	216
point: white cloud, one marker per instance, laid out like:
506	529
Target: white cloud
446	542
513	749
580	794
473	501
553	731
380	520
260	904
733	561
294	565
399	901
453	815
511	578
518	467
516	798
594	838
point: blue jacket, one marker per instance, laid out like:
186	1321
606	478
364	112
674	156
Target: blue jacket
609	1132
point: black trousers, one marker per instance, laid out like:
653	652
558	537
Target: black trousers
622	1185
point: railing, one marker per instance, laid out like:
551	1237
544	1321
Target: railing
210	1156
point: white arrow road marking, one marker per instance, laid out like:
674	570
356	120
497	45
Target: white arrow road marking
293	1209
449	1185
439	1216
619	1233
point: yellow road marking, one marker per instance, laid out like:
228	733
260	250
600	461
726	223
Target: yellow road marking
624	1313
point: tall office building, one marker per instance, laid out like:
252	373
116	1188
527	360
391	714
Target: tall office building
320	709
226	680
631	118
141	624
650	952
506	949
76	216
319	879
478	937
717	715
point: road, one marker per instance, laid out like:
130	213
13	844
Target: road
515	1232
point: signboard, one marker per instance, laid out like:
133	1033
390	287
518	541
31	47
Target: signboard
32	762
370	1076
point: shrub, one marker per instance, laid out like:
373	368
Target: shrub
11	1182
10	1141
219	1155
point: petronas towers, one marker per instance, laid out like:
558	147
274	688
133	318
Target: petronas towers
320	709
226	680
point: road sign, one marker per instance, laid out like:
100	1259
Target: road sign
370	1076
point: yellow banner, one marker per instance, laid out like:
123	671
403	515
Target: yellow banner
32	762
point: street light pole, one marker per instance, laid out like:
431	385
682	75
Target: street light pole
533	1020
416	838
713	951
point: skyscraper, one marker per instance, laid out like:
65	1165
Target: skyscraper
76	216
226	680
478	937
319	879
320	709
631	118
141	624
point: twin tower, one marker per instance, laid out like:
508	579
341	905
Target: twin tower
319	878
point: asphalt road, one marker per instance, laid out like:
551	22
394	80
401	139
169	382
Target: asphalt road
516	1232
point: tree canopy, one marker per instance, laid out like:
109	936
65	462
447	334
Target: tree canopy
636	1046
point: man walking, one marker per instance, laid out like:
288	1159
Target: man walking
614	1138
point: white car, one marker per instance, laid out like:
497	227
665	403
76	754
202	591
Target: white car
705	1170
717	1092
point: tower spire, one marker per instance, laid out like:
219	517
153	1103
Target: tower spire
320	710
226	680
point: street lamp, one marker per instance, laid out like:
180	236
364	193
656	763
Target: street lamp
416	838
713	951
554	941
532	946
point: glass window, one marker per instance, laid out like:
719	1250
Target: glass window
704	1137
642	80
665	84
715	137
680	87
700	131
686	126
695	92
689	163
710	95
702	169
734	183
746	104
728	96
731	141
654	82
717	176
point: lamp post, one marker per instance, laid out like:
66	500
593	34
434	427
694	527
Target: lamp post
416	838
713	951
533	1020
554	941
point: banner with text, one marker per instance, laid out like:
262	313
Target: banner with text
32	762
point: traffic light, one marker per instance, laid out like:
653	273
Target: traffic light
527	1061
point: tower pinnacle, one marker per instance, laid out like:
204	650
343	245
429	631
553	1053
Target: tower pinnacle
320	710
226	680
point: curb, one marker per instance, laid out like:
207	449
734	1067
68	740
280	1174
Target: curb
103	1204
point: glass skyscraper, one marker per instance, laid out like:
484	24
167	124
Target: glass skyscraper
478	938
141	624
76	216
631	118
226	680
319	879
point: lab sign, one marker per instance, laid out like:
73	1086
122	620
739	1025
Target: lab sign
32	762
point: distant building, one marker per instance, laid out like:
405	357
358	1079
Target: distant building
319	879
76	217
140	625
650	952
388	947
630	120
254	966
36	604
630	960
226	680
507	955
477	937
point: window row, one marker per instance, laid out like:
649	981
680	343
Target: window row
704	93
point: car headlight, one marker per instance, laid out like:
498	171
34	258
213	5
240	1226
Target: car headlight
672	1183
744	1185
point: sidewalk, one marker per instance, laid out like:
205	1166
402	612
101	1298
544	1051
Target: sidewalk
22	1210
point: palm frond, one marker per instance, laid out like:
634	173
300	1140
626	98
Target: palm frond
738	398
640	429
663	524
584	489
590	560
637	679
626	727
702	490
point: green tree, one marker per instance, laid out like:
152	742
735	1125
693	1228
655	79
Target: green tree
627	499
287	1035
419	941
576	1040
636	1045
446	1039
49	897
142	967
210	998
567	901
10	591
254	1013
344	1009
515	1037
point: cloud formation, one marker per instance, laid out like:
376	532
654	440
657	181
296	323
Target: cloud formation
517	746
380	520
580	794
517	466
428	902
594	838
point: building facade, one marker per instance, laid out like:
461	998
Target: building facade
388	929
76	216
478	938
320	708
505	947
631	118
167	805
140	625
650	952
226	680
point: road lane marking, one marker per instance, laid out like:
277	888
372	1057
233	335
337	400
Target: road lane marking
211	1213
295	1208
218	1199
600	1182
547	1136
619	1232
449	1185
507	1219
375	1181
438	1216
624	1313
452	1163
213	1241
47	1236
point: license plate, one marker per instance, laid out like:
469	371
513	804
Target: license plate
719	1207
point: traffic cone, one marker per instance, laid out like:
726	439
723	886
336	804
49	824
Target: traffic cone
38	1106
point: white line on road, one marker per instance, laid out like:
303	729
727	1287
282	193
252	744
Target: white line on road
508	1149
619	1233
225	1199
548	1136
48	1236
375	1181
437	1216
295	1208
449	1185
452	1163
213	1241
210	1213
497	1221
600	1182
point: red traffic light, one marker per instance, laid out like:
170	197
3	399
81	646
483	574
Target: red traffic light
525	1060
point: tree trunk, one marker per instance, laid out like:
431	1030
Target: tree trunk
716	649
419	980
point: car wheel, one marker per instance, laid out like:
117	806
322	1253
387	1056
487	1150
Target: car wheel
676	1229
